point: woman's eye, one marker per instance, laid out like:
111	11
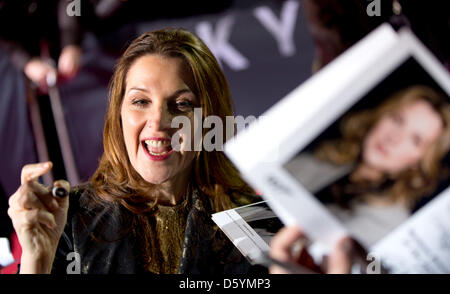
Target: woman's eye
139	102
184	105
397	118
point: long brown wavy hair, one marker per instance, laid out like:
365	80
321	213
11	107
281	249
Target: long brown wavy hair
409	184
115	179
213	175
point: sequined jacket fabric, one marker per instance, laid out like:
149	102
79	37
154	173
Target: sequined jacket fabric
206	250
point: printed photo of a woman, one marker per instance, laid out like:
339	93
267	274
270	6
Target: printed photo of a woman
383	162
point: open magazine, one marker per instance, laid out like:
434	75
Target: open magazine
360	149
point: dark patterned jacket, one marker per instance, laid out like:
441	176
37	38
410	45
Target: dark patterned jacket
206	250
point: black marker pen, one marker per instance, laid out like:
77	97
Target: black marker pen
59	192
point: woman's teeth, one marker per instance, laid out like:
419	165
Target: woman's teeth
157	143
163	147
153	153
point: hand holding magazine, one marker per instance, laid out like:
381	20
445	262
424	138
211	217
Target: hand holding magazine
360	149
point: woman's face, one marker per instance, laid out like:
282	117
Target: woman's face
400	139
157	89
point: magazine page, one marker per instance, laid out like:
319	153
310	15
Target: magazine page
422	244
308	110
375	164
369	167
249	227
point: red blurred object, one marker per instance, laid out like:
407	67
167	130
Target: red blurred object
16	250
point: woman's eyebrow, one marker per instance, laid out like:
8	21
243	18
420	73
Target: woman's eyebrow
181	91
138	89
174	95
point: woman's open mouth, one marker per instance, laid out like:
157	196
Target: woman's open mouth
157	148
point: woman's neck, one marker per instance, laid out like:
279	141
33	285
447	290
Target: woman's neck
173	191
365	172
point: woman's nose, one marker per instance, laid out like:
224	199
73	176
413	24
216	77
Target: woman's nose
395	135
159	117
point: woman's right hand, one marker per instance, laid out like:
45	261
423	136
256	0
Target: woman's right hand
38	218
340	261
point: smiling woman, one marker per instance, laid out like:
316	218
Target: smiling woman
157	91
148	207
